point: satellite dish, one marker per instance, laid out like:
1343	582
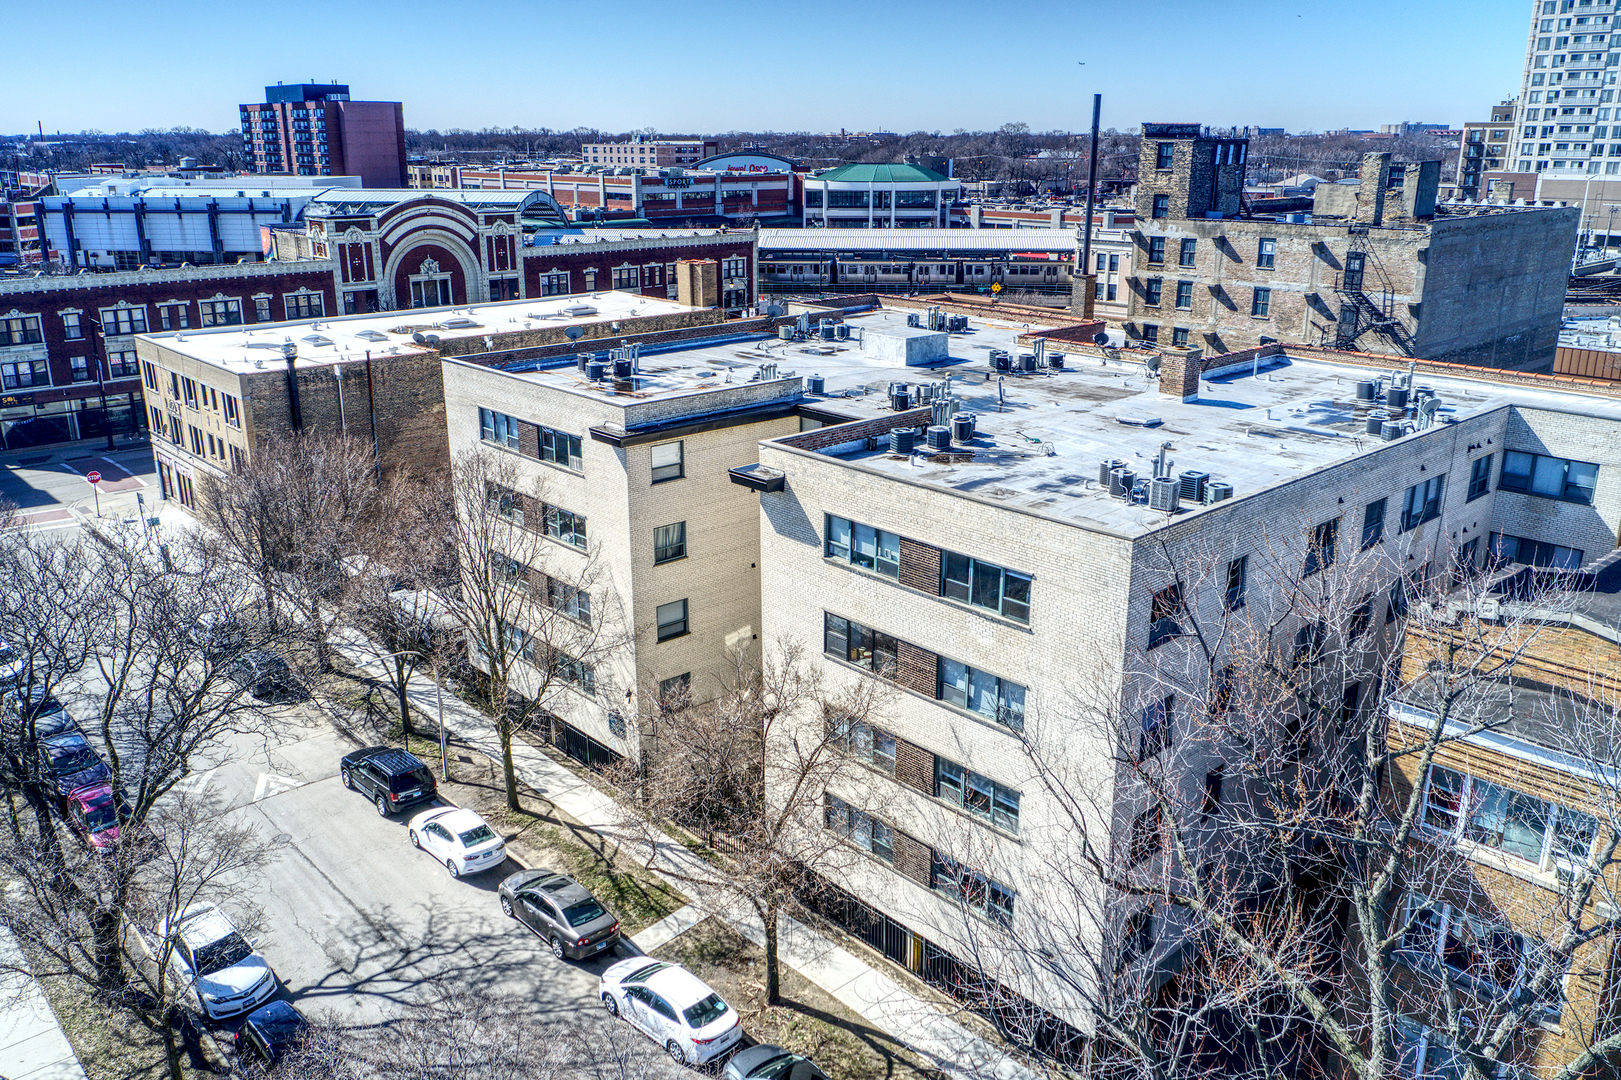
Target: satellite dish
418	337
1101	338
774	310
431	339
573	333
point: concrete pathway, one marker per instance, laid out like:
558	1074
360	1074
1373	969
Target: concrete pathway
32	1045
881	1000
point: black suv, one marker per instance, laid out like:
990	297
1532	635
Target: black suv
392	779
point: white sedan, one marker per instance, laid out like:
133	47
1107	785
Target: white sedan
459	838
672	1005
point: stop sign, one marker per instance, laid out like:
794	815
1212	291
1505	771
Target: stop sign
93	476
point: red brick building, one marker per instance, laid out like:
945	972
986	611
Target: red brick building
311	129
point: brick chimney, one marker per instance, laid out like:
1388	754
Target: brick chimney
1179	373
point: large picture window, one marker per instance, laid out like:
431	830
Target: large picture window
863	546
1525	826
860	645
1422	502
979	795
986	585
498	428
981	692
1550	477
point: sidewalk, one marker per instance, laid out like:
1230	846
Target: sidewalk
32	1045
881	1000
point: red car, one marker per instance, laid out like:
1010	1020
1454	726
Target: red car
97	813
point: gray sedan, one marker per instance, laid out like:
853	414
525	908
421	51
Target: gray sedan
562	911
767	1062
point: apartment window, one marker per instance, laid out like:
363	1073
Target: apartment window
1361	618
731	269
1146	836
1422	502
1162	206
563	525
1151	291
1162	155
1320	546
121	363
506	503
860	645
1238	572
980	894
554	284
1184	295
1480	476
1189	249
864	546
1266	251
261	309
157	419
1491	815
1373	523
1179	337
627	278
676	691
861	829
1539	553
1163	610
149	375
1261	303
560	448
979	795
188	390
985	585
79	368
576	673
668	462
867	744
1214	780
1550	477
232	417
23	373
1156	249
670	542
1156	727
429	292
20	331
71	329
220	312
575	603
1150	333
1493	958
174	385
1136	939
497	428
981	692
119	322
304	305
672	619
196	440
1308	644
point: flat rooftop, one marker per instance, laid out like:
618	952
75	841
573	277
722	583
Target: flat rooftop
544	237
392	333
788	241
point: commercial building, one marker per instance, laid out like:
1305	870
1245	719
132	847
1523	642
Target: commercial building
125	224
1484	147
213	396
650	153
1375	267
313	129
997	584
880	197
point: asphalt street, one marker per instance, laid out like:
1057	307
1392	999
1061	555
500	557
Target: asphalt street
356	922
49	486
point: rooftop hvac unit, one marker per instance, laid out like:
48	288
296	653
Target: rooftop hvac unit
900	399
1000	360
1396	397
815	384
581	360
962	428
622	368
1121	481
1163	492
939	438
827	329
595	370
1218	491
841	332
1106	467
1055	360
912	319
1027	361
1367	390
1393	430
1376	421
1192	484
786	332
902	440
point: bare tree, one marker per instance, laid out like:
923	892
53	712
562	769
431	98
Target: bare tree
795	741
301	521
533	597
1268	877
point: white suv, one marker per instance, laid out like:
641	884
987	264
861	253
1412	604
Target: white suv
218	964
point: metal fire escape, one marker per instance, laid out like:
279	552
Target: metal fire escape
1361	313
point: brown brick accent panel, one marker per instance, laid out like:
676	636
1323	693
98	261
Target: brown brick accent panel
914	859
822	438
917	669
1179	375
1242	356
920	566
1082	334
528	439
914	766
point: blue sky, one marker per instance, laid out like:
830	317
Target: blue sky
687	65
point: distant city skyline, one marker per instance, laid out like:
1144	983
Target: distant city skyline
901	66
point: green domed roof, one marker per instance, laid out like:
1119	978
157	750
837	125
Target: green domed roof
883	174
